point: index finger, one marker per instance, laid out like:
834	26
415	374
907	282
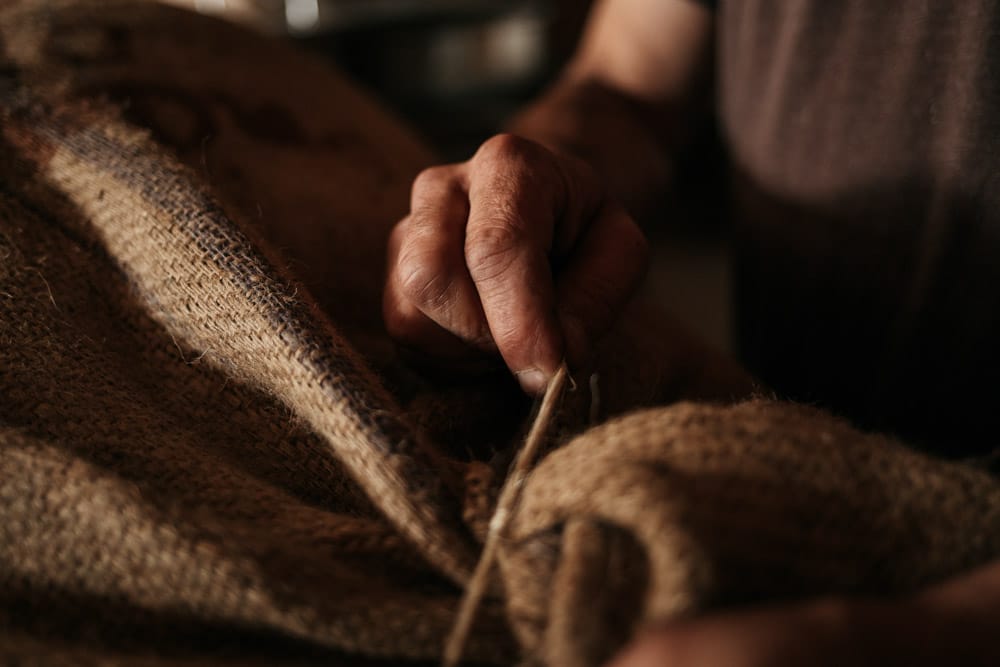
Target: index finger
508	238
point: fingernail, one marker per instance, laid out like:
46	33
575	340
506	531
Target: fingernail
533	381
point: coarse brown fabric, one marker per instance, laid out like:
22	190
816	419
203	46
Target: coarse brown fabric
210	454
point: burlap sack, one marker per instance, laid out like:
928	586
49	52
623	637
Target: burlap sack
210	453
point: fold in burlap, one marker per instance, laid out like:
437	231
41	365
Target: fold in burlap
209	452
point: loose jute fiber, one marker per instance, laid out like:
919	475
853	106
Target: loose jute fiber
211	454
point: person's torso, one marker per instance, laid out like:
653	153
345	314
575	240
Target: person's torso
865	145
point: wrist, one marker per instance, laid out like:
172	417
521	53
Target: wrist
621	139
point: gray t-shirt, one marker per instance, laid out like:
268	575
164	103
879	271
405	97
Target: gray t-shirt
864	140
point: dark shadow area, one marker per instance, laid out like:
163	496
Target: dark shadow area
892	325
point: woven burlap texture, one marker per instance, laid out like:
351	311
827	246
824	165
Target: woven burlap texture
211	454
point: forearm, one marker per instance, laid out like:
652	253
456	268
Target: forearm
633	94
628	143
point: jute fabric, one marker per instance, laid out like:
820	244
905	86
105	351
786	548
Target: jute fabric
211	454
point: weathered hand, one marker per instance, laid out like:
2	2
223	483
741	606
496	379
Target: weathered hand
814	634
953	623
517	251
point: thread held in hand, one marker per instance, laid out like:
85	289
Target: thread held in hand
509	495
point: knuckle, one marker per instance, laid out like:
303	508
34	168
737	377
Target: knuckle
432	177
423	281
504	148
399	233
432	183
491	249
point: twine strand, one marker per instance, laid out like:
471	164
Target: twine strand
509	495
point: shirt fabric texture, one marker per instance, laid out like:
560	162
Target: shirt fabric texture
864	146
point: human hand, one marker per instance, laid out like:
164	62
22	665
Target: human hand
517	251
923	631
813	634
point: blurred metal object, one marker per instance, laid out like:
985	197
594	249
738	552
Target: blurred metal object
304	17
507	50
265	15
464	42
454	68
